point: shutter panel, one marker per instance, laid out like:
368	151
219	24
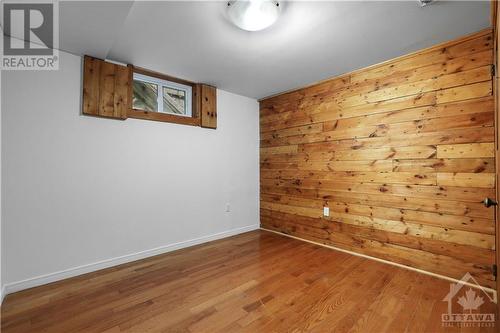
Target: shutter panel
106	89
208	110
91	75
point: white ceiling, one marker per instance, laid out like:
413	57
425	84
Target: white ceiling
311	41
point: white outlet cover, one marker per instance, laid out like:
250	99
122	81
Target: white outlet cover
326	211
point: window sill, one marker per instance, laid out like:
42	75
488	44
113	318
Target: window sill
167	118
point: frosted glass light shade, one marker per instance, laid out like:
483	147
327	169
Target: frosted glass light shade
253	15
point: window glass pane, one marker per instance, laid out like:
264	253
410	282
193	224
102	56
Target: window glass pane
145	96
174	100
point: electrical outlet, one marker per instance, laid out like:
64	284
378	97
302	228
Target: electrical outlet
228	208
326	211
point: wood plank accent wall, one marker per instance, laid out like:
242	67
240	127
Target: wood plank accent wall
403	154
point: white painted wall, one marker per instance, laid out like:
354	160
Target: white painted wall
79	190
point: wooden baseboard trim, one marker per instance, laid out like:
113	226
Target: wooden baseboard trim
13	287
443	277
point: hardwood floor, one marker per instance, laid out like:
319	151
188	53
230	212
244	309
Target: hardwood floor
254	282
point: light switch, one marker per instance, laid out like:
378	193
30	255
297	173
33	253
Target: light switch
326	211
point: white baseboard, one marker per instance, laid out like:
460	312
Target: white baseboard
2	294
13	287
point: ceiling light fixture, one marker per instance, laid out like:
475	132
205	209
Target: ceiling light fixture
253	15
424	3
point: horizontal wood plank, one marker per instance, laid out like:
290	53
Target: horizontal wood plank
486	180
470	150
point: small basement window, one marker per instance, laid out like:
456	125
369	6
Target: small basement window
157	95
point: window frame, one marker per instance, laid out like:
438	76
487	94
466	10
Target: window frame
162	83
193	120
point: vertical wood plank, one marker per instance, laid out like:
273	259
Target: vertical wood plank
208	106
91	81
197	101
121	92
107	90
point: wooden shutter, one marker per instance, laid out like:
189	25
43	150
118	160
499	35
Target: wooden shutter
106	88
208	106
